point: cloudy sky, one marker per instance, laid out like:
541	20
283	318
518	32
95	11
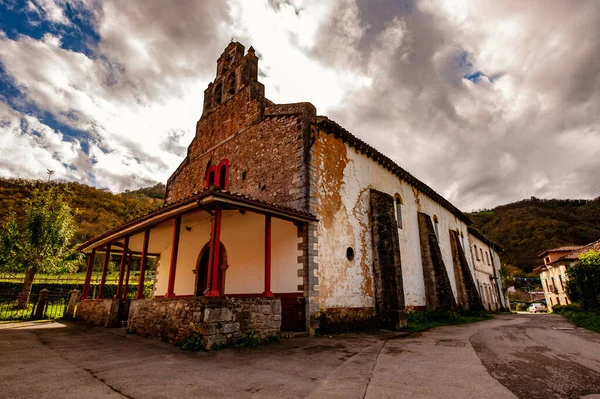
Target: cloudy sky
486	101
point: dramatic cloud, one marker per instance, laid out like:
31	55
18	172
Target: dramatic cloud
488	102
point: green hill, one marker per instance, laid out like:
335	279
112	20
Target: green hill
526	228
97	210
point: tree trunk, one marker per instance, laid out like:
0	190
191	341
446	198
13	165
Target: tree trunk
26	289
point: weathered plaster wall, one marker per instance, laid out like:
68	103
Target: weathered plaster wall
482	257
554	281
244	239
341	179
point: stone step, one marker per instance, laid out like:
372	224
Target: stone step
293	334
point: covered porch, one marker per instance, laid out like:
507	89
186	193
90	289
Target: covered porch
213	245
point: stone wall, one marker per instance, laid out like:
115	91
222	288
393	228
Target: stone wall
438	291
217	321
387	266
266	144
95	311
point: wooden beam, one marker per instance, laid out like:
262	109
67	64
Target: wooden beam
268	291
140	290
104	270
88	274
174	252
215	246
119	292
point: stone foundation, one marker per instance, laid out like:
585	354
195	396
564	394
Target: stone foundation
338	320
216	321
95	311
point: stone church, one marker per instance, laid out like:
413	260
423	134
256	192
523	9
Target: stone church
281	220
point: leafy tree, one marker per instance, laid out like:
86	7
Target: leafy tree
584	281
41	241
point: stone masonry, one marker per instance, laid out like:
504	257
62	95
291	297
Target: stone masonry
266	144
95	311
216	321
438	291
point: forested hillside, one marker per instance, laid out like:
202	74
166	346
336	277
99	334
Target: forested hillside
97	210
526	228
523	229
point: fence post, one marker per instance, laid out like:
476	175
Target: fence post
70	312
41	304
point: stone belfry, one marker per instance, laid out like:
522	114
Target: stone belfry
235	72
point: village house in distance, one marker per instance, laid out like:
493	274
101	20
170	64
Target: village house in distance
281	220
553	273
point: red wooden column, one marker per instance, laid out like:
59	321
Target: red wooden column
129	263
104	270
119	292
215	246
267	256
174	250
140	290
88	274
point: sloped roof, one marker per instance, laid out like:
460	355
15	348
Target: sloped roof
331	127
566	248
472	230
219	195
573	255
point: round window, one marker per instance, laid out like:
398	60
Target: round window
350	253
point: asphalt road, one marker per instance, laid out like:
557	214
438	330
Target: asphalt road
526	356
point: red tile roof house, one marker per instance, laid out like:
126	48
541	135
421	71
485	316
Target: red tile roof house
279	219
553	273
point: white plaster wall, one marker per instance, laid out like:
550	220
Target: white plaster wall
243	236
345	283
484	269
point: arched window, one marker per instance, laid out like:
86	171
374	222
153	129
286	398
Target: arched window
218	90
218	175
398	202
231	84
211	176
223	169
476	253
436	224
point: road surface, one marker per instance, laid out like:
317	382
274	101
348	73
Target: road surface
525	356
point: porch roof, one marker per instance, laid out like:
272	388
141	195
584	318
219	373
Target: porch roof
203	201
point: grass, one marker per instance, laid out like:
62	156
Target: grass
582	318
71	278
8	311
422	321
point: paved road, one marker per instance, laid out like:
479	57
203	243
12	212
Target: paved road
526	356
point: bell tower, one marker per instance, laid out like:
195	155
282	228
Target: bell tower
235	71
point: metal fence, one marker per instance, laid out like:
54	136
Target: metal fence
59	288
54	307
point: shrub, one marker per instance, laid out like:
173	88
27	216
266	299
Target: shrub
584	281
193	343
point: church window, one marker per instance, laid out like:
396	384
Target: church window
223	169
476	253
487	259
211	176
436	224
399	210
218	175
231	84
